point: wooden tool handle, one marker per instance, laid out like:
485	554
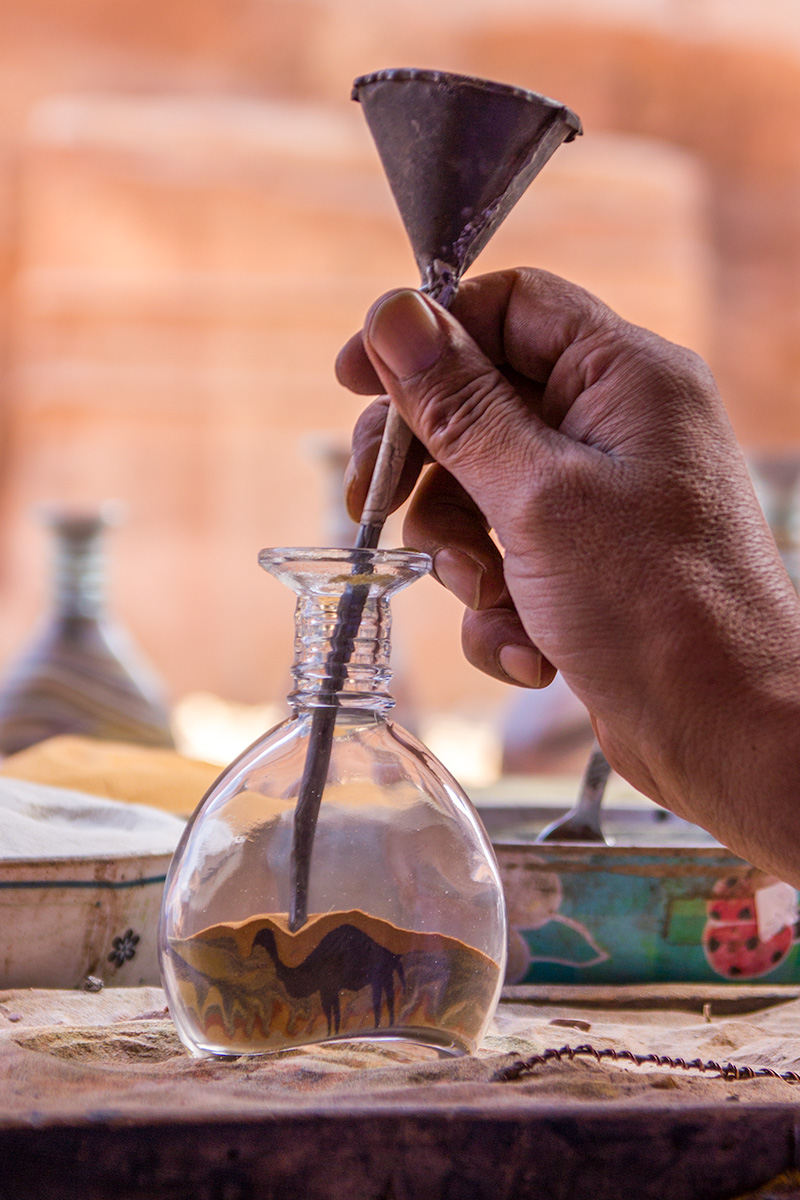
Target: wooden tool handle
388	469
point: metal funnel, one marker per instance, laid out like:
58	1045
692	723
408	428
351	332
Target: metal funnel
458	153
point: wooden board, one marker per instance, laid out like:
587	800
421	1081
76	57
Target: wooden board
607	1153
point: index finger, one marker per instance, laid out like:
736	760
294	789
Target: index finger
521	318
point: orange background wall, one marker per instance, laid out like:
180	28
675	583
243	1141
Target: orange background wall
192	220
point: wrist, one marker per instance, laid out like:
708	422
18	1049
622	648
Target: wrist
730	761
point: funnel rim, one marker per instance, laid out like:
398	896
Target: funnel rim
424	75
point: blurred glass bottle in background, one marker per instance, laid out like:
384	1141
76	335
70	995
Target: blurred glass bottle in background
80	673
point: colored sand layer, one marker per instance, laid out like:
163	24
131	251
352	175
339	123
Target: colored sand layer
252	986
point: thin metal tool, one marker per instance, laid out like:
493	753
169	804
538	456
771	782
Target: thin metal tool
582	822
458	153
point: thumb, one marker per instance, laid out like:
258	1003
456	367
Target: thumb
459	405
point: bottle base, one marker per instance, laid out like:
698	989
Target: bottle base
254	987
444	1045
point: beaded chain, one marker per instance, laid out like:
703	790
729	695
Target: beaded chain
728	1070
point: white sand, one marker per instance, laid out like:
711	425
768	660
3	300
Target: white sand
38	822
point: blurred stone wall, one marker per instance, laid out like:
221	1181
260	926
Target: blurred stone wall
737	107
192	220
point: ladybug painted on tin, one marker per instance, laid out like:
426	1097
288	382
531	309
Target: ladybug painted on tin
731	939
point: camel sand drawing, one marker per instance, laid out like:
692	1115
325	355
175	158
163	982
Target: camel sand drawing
347	959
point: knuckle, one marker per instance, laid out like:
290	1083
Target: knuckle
451	409
609	344
674	368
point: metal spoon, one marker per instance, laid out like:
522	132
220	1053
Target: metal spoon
582	822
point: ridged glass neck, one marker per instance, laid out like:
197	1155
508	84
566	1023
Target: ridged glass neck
79	569
342	659
343	622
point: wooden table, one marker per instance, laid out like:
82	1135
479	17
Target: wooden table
99	1101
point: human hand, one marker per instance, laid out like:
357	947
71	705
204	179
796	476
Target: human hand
634	556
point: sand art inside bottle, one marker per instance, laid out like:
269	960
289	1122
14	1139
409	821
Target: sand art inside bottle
403	934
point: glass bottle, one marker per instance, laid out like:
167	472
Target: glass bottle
80	674
404	930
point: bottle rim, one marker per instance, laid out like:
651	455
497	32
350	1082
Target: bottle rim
274	555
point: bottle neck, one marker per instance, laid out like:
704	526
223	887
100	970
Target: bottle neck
78	572
341	652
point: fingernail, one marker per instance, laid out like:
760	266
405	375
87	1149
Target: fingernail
523	664
460	574
405	333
